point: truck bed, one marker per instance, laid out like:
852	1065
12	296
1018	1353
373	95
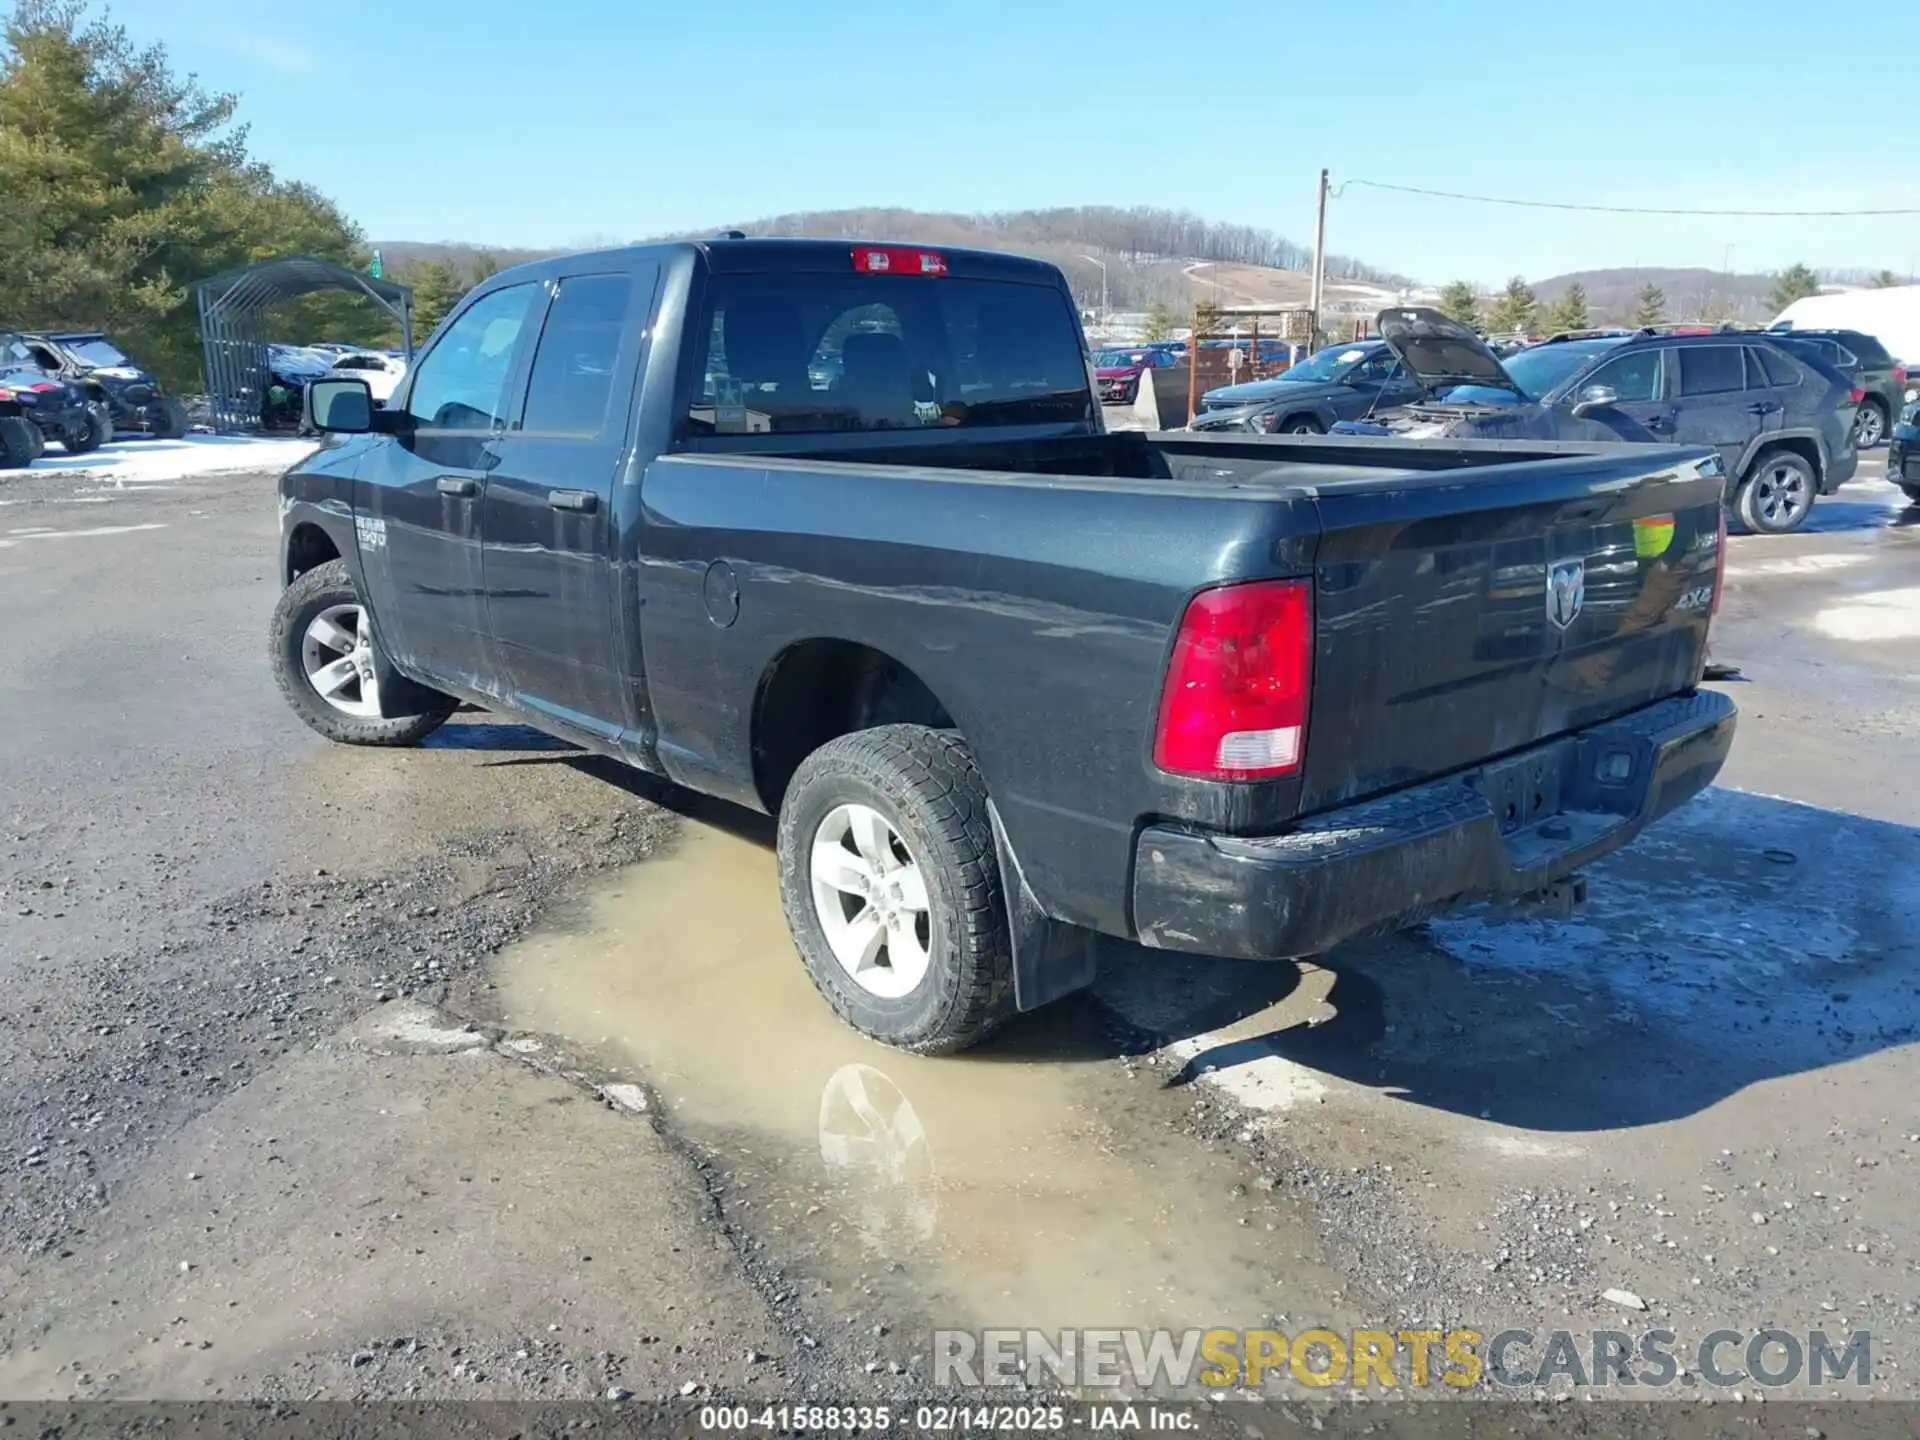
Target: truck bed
1034	584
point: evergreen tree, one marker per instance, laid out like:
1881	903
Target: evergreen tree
1516	309
1886	280
1160	321
437	288
1652	306
1570	311
1796	282
1461	302
124	183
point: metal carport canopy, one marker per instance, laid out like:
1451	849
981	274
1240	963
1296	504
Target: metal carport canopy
233	308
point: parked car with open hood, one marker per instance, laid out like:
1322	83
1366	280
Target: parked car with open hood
1341	382
1784	423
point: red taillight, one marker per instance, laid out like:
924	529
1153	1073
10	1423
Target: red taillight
1899	376
898	260
1856	395
1235	702
1719	566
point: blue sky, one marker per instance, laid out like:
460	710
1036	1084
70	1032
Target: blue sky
551	124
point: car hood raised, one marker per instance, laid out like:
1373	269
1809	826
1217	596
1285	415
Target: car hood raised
1438	351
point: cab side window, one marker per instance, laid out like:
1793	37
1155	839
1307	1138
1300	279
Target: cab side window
572	377
1634	378
1711	370
461	384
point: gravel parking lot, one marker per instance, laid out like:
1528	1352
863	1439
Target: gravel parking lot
484	1070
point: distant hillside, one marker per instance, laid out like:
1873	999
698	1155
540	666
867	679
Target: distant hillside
1152	256
1692	294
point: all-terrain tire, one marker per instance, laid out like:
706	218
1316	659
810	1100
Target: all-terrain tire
96	428
322	588
1912	492
172	423
1777	494
925	785
21	442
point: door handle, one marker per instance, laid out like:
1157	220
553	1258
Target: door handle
1659	422
583	502
1760	407
456	485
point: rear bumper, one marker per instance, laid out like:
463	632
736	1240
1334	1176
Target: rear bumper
1841	466
1386	863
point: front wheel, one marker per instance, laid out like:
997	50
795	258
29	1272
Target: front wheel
1777	494
892	888
1912	493
1301	425
92	430
322	649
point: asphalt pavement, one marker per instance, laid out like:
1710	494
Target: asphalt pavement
485	1070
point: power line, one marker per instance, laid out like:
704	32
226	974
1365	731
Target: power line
1621	209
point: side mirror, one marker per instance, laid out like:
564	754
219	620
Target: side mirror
1595	397
340	407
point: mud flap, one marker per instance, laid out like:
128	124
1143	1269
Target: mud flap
398	694
1050	957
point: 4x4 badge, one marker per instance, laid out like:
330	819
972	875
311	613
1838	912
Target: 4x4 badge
1566	591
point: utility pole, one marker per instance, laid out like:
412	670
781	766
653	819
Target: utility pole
1106	315
1319	255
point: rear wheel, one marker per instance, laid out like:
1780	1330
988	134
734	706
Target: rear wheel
21	442
1869	426
1913	493
171	422
1777	494
892	889
323	653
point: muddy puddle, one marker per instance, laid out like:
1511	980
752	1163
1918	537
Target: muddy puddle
1033	1183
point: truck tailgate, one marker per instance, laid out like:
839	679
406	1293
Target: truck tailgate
1464	615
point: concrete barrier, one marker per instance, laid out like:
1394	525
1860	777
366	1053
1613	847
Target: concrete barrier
1161	403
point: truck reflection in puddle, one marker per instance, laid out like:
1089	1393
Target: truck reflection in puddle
1035	1182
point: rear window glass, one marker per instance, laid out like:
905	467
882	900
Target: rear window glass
1779	369
1711	369
1869	349
805	353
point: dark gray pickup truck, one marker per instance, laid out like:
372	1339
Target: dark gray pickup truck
832	531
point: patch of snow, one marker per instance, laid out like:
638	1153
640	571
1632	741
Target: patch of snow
1267	1083
148	462
1732	899
1883	615
1797	565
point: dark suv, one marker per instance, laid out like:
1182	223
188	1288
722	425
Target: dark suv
1864	361
1783	421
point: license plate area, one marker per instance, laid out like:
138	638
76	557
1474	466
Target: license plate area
1524	790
